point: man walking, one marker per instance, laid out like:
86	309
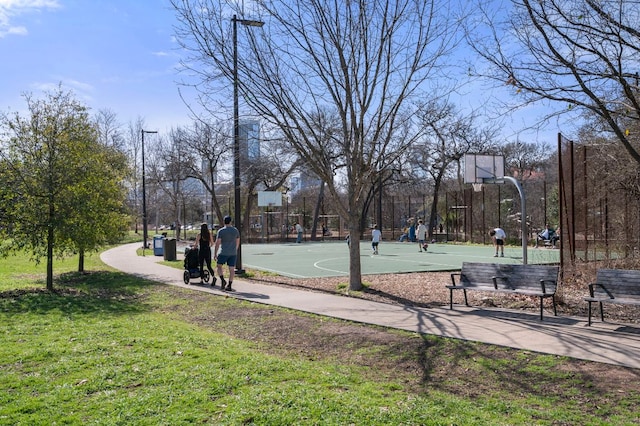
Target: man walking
227	242
421	235
376	236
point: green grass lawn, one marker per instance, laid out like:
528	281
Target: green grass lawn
110	349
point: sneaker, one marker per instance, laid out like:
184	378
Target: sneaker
495	255
229	287
501	254
213	282
223	283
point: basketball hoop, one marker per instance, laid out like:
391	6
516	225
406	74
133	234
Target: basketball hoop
477	187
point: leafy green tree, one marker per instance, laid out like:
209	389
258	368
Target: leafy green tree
62	193
95	210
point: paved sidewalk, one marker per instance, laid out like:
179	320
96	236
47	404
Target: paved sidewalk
609	343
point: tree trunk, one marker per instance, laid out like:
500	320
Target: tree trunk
50	237
364	217
246	221
215	207
355	268
81	261
433	216
316	213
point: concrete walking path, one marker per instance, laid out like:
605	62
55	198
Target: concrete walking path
610	343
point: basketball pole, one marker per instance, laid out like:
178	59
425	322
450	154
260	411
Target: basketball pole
491	167
523	212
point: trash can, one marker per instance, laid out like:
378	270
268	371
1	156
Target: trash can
170	249
158	245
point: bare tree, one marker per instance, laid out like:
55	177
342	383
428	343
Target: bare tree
209	142
109	129
525	159
168	170
448	135
362	61
580	54
134	131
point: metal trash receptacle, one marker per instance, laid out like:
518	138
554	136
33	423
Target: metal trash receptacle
158	245
170	249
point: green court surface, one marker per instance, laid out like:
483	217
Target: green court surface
328	259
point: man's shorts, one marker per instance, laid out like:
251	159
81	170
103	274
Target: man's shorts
499	242
226	260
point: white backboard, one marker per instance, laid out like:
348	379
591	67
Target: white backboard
269	199
483	168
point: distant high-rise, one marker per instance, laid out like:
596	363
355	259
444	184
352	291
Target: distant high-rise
304	180
249	132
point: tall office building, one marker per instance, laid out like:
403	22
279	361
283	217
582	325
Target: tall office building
304	180
249	132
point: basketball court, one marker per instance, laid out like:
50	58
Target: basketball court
326	259
329	259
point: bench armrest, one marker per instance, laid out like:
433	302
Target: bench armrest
607	291
453	277
544	287
503	278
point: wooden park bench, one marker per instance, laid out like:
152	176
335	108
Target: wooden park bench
530	280
620	286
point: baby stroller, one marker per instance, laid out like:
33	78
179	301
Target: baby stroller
192	266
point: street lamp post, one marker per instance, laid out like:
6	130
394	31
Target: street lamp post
144	196
236	135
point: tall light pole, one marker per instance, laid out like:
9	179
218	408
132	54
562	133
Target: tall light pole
144	196
236	134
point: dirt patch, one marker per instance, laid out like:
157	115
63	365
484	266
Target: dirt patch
419	363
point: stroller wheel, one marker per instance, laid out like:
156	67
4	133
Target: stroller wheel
206	276
187	277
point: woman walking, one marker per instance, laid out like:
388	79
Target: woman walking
204	241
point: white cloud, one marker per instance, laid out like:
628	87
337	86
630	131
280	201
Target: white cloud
82	90
10	9
28	4
14	31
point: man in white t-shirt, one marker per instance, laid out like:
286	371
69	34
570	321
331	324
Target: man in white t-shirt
376	236
498	236
421	236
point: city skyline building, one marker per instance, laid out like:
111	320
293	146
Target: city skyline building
249	133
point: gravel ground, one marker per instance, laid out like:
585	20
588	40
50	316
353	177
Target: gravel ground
427	289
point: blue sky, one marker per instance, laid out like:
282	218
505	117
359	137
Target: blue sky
113	54
120	55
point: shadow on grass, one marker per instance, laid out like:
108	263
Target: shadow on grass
81	293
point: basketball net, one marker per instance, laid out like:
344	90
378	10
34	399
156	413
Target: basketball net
477	187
